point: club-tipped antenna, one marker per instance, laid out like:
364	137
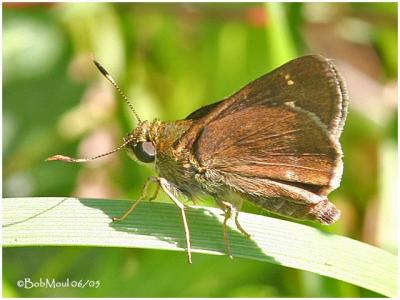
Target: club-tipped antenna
110	79
82	160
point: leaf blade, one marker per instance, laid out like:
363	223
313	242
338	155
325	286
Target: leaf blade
87	222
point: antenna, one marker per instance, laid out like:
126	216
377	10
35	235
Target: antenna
110	79
81	160
126	141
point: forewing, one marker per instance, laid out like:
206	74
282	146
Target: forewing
279	142
202	111
311	83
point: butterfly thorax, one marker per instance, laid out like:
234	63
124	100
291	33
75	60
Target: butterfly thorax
179	167
155	142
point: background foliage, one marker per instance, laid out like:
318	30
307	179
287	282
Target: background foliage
170	59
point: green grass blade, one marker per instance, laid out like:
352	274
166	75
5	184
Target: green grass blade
279	38
87	222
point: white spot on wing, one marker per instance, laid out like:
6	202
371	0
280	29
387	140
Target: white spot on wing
290	103
290	175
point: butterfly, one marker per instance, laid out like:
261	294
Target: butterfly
274	143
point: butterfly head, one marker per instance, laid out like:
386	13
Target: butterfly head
141	146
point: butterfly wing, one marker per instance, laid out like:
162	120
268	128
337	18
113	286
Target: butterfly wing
310	82
297	82
203	111
284	126
281	142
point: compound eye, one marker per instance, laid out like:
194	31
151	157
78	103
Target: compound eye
145	152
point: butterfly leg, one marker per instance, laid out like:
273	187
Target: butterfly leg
228	214
166	188
237	221
235	209
244	232
135	204
228	208
155	193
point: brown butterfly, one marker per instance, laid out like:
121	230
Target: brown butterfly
274	143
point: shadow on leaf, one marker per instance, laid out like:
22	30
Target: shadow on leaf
205	227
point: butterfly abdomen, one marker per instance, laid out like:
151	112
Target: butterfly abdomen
323	212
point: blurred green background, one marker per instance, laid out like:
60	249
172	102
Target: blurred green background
171	59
